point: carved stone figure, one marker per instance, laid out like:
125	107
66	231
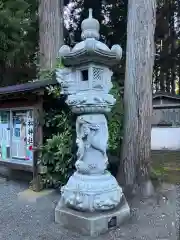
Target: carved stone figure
82	191
92	137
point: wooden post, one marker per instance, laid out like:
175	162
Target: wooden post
37	184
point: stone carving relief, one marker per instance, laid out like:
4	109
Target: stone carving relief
65	77
92	102
83	193
92	138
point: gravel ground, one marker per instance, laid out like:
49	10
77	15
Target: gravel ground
20	220
178	211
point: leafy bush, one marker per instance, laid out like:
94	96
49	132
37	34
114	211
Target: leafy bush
115	122
56	156
115	125
56	153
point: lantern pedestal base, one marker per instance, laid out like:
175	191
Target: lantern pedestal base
92	224
83	194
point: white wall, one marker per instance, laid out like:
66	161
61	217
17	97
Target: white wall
168	138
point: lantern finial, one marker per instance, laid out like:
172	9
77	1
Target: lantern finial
90	27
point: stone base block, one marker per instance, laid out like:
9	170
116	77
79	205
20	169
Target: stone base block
92	224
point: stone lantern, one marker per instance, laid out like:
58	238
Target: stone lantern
91	201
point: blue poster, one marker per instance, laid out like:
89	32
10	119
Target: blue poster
3	151
17	132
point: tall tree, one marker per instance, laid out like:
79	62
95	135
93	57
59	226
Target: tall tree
50	31
166	38
18	24
135	160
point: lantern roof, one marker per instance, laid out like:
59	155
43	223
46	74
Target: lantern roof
90	49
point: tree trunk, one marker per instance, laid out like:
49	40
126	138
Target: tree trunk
135	160
178	14
50	31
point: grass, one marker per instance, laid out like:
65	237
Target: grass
166	166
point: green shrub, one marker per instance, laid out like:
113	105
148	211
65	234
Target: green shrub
115	123
56	153
56	156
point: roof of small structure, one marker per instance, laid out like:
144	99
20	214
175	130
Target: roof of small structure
166	95
26	87
90	49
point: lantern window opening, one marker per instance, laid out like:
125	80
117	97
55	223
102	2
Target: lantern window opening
84	75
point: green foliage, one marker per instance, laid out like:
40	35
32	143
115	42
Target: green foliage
157	174
54	91
56	156
19	40
58	119
49	74
116	122
56	153
111	14
15	24
46	75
